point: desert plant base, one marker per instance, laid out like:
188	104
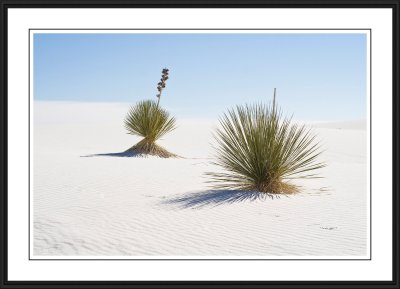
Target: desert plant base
271	188
275	187
146	147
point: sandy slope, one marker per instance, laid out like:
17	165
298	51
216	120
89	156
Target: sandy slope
118	206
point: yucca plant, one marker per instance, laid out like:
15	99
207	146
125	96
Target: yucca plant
259	150
148	120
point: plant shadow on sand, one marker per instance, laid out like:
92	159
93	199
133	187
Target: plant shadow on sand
125	154
132	154
215	198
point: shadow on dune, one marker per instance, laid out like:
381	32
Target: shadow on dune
125	154
216	198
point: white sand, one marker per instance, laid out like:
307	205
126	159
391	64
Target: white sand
118	206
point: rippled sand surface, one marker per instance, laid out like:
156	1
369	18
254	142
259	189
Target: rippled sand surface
89	202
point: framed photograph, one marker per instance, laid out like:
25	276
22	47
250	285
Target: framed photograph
229	144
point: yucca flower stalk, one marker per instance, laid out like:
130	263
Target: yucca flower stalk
259	150
161	84
148	120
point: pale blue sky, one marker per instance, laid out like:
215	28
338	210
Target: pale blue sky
317	76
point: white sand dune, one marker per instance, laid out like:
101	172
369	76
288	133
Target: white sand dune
106	205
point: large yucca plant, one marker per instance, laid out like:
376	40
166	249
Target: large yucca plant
148	120
259	150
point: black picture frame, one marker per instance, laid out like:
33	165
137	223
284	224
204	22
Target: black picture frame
394	5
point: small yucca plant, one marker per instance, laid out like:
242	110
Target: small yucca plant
258	150
148	120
